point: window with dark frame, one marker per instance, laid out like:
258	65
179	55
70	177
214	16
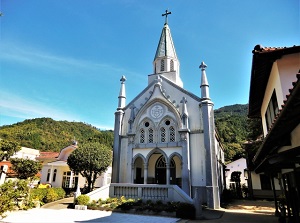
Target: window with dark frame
272	110
265	182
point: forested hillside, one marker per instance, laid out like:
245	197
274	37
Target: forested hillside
232	126
47	134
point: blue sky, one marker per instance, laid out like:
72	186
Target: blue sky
63	59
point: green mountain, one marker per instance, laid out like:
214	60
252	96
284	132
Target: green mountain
47	134
232	126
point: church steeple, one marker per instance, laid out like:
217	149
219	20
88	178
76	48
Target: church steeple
165	61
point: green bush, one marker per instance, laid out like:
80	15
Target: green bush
46	195
51	196
60	192
14	195
82	199
39	194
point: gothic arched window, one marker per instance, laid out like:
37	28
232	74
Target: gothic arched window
167	130
172	65
142	136
150	135
162	65
146	132
162	134
172	134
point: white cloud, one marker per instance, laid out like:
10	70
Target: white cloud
19	107
34	57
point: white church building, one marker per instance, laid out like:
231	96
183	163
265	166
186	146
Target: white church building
166	135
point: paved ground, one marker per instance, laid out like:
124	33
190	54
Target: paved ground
57	212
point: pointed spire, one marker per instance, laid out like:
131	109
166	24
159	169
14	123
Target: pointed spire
122	94
204	83
184	109
165	60
132	117
165	46
185	114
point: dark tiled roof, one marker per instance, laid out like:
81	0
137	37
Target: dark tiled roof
285	122
262	62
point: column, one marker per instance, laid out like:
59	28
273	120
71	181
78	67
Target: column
132	173
185	171
71	180
168	174
51	175
145	172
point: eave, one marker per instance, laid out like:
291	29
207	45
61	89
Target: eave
262	62
279	133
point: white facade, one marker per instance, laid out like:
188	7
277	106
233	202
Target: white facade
26	153
238	165
23	153
282	75
58	174
166	134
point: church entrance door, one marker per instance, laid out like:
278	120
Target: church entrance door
160	175
161	171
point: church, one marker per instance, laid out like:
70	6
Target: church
166	135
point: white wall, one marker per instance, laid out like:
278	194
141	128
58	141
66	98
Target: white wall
26	153
282	75
256	185
237	165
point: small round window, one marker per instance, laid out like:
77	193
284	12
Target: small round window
167	122
146	124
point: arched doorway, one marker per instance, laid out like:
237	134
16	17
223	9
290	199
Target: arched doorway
161	171
139	171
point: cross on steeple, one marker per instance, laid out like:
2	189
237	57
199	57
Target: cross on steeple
166	14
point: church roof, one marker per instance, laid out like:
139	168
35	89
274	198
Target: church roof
165	46
182	90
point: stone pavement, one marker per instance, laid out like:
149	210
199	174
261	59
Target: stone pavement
80	216
57	212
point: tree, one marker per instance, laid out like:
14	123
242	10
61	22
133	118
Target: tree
7	149
90	160
25	168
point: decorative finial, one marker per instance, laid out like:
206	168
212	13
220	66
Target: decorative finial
183	100
123	79
166	14
202	66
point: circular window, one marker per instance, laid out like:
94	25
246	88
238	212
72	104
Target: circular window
146	124
167	122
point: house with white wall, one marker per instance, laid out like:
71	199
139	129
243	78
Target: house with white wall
58	174
275	99
239	165
5	165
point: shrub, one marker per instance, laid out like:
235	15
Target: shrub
38	194
11	193
51	195
185	211
127	205
111	200
60	192
82	199
46	195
